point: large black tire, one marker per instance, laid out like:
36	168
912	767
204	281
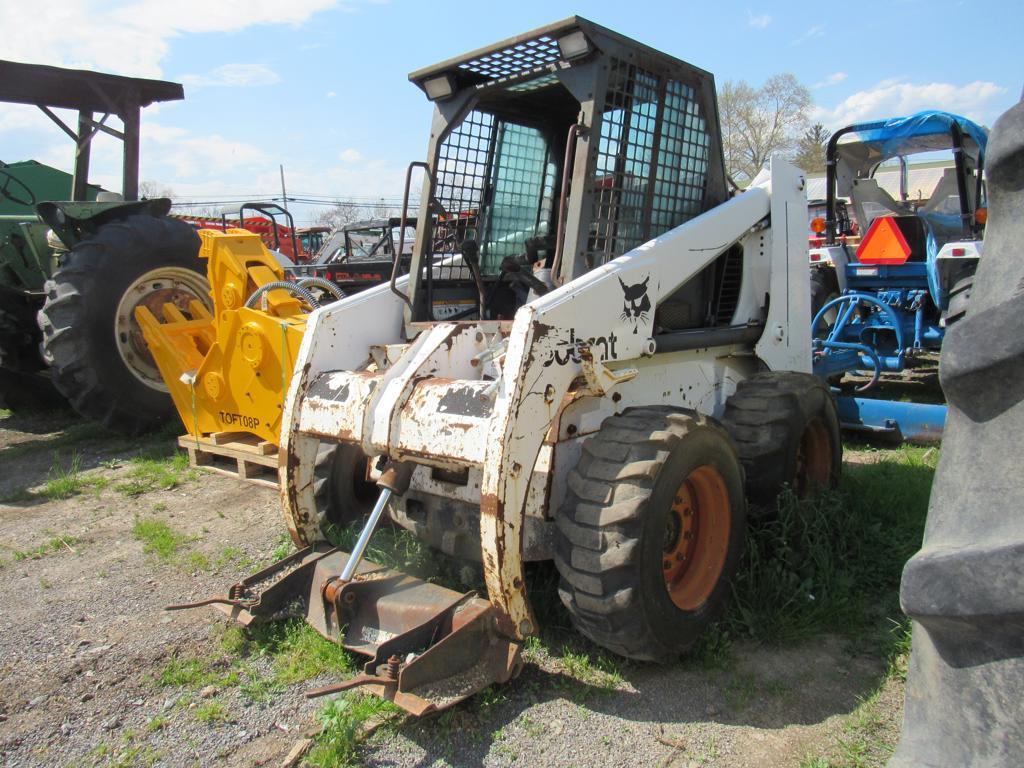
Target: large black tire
25	383
622	524
786	430
343	494
959	298
824	288
99	360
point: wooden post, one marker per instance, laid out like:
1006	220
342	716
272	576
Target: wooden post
130	185
80	179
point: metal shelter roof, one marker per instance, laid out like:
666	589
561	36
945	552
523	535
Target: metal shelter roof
81	89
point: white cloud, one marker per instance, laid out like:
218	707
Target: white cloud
834	79
351	156
235	76
182	155
758	21
131	37
977	101
331	94
816	31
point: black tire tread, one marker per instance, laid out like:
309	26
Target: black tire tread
129	244
762	417
599	527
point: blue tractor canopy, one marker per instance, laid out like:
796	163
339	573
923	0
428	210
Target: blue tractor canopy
855	152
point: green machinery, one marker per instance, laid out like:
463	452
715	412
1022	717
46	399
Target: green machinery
76	261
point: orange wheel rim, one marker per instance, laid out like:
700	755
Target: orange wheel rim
813	459
696	538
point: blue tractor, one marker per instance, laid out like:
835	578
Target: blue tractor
881	302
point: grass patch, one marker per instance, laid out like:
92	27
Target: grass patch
212	712
65	483
158	538
833	563
148	474
343	721
196	673
56	544
283	548
298	652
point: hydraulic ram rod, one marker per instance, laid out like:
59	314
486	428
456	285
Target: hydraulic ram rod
364	536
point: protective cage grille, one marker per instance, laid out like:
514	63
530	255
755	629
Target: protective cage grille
495	181
516	59
652	161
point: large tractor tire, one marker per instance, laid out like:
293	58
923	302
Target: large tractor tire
25	385
99	358
651	532
964	703
959	298
786	430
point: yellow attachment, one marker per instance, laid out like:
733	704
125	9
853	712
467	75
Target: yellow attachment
229	372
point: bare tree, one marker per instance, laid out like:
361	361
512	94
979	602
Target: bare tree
759	121
338	215
153	189
810	150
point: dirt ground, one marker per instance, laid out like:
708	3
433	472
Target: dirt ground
84	641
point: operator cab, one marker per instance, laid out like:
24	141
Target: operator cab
552	154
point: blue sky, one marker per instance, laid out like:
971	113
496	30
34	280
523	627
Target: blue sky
321	86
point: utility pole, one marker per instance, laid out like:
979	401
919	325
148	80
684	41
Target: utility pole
284	194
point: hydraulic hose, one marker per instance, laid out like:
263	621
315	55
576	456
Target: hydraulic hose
293	288
323	283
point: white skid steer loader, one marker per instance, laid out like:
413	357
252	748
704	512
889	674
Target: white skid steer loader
597	357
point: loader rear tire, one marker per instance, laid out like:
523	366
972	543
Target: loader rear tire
786	430
99	361
651	532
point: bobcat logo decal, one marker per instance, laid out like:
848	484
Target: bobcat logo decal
636	303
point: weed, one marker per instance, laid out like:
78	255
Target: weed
833	563
212	712
343	720
298	652
65	483
283	548
233	640
5	413
713	650
197	561
156	723
56	544
195	673
533	729
258	689
158	538
229	555
739	690
151	474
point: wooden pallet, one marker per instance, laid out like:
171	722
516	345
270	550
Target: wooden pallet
235	454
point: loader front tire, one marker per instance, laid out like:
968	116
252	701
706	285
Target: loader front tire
786	430
99	360
343	494
651	532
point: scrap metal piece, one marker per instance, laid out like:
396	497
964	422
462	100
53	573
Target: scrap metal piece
429	647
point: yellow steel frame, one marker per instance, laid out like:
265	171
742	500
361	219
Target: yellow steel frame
229	372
